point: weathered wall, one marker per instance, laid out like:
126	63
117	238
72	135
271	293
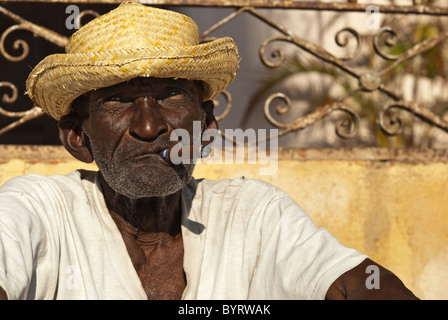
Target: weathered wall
390	205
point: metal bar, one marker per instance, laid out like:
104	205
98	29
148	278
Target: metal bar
416	50
29	115
223	22
283	4
37	30
416	110
315	50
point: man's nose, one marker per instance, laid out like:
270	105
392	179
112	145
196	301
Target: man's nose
147	121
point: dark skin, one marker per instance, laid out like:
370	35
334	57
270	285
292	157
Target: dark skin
352	285
128	125
139	117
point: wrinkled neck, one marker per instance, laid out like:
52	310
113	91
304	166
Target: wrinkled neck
147	219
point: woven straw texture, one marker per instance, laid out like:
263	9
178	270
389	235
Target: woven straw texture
131	41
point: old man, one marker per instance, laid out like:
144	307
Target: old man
141	227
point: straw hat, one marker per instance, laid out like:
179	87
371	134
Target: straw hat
131	41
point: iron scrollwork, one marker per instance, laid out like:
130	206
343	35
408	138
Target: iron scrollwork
23	46
368	81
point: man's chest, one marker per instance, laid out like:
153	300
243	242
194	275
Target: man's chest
160	269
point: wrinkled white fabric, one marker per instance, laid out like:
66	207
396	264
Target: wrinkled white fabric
243	239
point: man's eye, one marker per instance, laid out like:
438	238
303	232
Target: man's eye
174	92
115	99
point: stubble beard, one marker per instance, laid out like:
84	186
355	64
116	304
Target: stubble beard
145	183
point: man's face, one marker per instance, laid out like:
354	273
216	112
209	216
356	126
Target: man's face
129	124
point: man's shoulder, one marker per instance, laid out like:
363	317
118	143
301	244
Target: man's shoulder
238	182
239	187
29	182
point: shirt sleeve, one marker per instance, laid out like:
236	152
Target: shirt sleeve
22	239
298	260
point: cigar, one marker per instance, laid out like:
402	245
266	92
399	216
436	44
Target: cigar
186	154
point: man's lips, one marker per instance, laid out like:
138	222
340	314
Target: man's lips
147	153
188	154
144	156
181	154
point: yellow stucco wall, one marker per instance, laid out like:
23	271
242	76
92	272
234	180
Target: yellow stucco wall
389	205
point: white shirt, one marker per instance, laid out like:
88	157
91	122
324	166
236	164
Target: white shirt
243	239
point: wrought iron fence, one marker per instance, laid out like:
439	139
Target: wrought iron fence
409	42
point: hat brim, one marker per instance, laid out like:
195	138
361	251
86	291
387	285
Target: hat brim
60	78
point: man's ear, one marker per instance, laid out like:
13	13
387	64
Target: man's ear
73	137
211	124
210	120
